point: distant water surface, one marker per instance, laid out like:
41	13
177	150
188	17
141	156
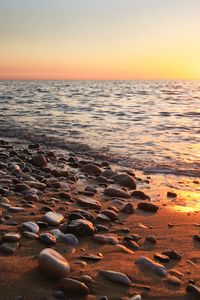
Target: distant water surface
151	124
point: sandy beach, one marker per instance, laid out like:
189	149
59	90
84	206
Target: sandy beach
116	236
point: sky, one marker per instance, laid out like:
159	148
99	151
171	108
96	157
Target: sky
100	39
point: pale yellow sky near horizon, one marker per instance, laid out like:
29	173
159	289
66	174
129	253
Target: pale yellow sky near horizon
107	39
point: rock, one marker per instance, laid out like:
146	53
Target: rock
151	239
81	227
53	264
147	206
85	202
171	195
124	249
9	247
173	280
145	262
74	286
31	197
102	218
109	173
161	257
70	239
53	218
140	195
193	289
136	297
37	185
11	237
91	169
114	192
91	257
47	239
110	214
21	187
39	160
106	239
132	245
127	208
172	254
91	189
30	235
101	227
30	226
116	277
125	180
57	233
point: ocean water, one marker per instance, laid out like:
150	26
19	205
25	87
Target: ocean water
152	125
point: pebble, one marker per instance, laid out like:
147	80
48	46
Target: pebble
30	235
128	208
147	206
91	169
58	294
151	265
125	180
172	254
47	239
85	202
106	239
57	233
114	192
16	209
136	297
116	277
140	195
151	239
110	214
81	227
161	257
70	239
171	195
21	187
11	237
9	247
74	286
53	218
30	226
124	249
173	280
53	264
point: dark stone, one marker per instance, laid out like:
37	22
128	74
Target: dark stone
147	206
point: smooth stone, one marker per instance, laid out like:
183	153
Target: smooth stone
91	189
4	200
85	202
173	280
70	239
127	208
11	237
53	264
114	192
132	245
37	185
136	297
74	286
147	206
91	257
47	239
106	239
116	277
124	249
102	218
30	235
151	239
9	247
30	226
110	214
100	227
81	227
57	233
140	195
109	173
171	195
91	169
53	218
31	197
125	180
151	265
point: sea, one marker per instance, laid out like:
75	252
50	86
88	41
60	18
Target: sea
149	125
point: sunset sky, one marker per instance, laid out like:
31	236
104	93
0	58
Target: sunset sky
99	39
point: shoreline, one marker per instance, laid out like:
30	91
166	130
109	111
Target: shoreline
20	274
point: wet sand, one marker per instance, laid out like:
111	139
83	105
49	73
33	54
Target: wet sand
20	275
